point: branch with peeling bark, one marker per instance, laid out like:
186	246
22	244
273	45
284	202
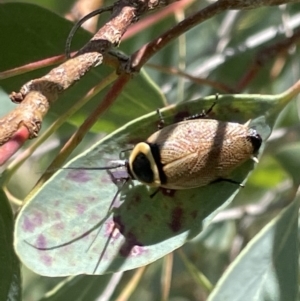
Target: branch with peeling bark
36	96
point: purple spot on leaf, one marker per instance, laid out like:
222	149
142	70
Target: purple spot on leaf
57	215
79	176
135	201
176	219
136	251
112	231
37	218
27	226
46	259
91	199
41	241
59	226
80	208
128	247
30	223
105	180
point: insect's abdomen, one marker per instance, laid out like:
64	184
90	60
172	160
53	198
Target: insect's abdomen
197	152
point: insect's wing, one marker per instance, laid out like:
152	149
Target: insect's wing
197	152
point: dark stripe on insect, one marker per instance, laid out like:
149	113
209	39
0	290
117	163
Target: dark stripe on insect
157	158
255	139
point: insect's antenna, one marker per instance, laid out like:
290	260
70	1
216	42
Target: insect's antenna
103	252
115	164
79	23
107	242
125	180
124	151
70	241
109	211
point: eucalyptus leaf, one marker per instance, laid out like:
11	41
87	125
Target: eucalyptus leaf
267	269
73	208
78	288
10	281
288	157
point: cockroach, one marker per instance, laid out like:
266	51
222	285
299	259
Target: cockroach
192	153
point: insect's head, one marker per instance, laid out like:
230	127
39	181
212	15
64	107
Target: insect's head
144	164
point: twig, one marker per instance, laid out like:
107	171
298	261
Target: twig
265	55
36	96
140	57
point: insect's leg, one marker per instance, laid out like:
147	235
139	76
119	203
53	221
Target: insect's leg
161	122
153	194
229	181
167	192
204	113
124	151
118	180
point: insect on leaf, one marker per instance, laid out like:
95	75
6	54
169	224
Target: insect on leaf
74	205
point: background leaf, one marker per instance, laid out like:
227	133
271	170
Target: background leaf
267	269
10	285
78	288
221	49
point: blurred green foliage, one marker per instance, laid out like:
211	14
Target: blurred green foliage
221	49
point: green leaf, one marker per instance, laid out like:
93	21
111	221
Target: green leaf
74	204
6	104
288	156
267	269
83	287
10	282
